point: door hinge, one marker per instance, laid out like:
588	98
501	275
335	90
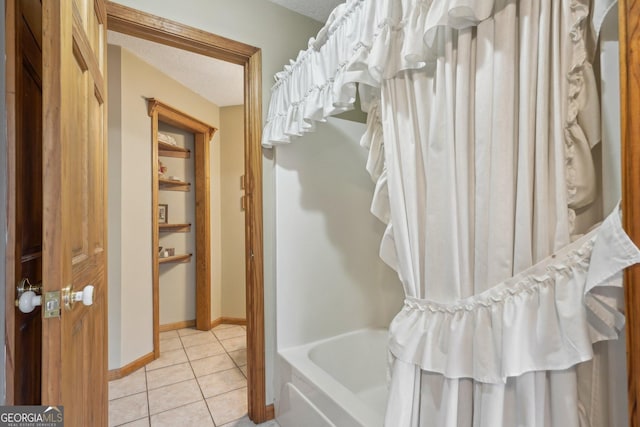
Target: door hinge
247	184
51	304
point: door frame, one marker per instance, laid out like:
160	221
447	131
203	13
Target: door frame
629	36
161	30
10	208
3	196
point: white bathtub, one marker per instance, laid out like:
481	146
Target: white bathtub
340	381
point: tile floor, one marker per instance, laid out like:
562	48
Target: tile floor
199	380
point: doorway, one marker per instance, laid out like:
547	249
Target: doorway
139	24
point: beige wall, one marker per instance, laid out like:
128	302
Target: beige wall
130	303
231	169
115	207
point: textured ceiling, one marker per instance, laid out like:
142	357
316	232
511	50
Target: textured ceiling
217	81
316	9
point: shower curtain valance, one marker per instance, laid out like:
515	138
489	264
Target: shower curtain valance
363	42
366	41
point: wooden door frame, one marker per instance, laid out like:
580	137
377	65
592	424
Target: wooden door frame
10	208
3	196
629	35
161	30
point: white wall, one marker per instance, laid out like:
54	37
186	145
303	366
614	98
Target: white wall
130	251
616	373
610	99
330	277
280	34
233	243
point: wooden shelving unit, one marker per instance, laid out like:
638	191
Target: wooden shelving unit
175	228
168	150
164	114
173	185
164	184
175	259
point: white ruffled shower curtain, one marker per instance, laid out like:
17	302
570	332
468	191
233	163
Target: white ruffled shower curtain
481	117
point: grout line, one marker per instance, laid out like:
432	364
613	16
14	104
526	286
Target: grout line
129	395
172	363
133	421
202	393
146	387
169	385
228	391
219	372
236	367
177	407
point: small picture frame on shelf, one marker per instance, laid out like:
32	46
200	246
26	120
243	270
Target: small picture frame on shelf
166	253
163	214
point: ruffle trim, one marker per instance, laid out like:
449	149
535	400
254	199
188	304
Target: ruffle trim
546	318
373	140
363	42
577	98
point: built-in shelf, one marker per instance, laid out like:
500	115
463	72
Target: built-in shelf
175	258
168	150
198	156
172	185
175	228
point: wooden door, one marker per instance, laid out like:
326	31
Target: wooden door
74	350
28	190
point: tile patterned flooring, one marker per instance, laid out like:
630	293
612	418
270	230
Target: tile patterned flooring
199	380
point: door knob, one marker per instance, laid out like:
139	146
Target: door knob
86	295
27	298
28	301
70	297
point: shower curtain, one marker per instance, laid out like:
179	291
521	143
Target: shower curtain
481	118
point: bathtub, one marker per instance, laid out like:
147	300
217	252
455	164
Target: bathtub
336	382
